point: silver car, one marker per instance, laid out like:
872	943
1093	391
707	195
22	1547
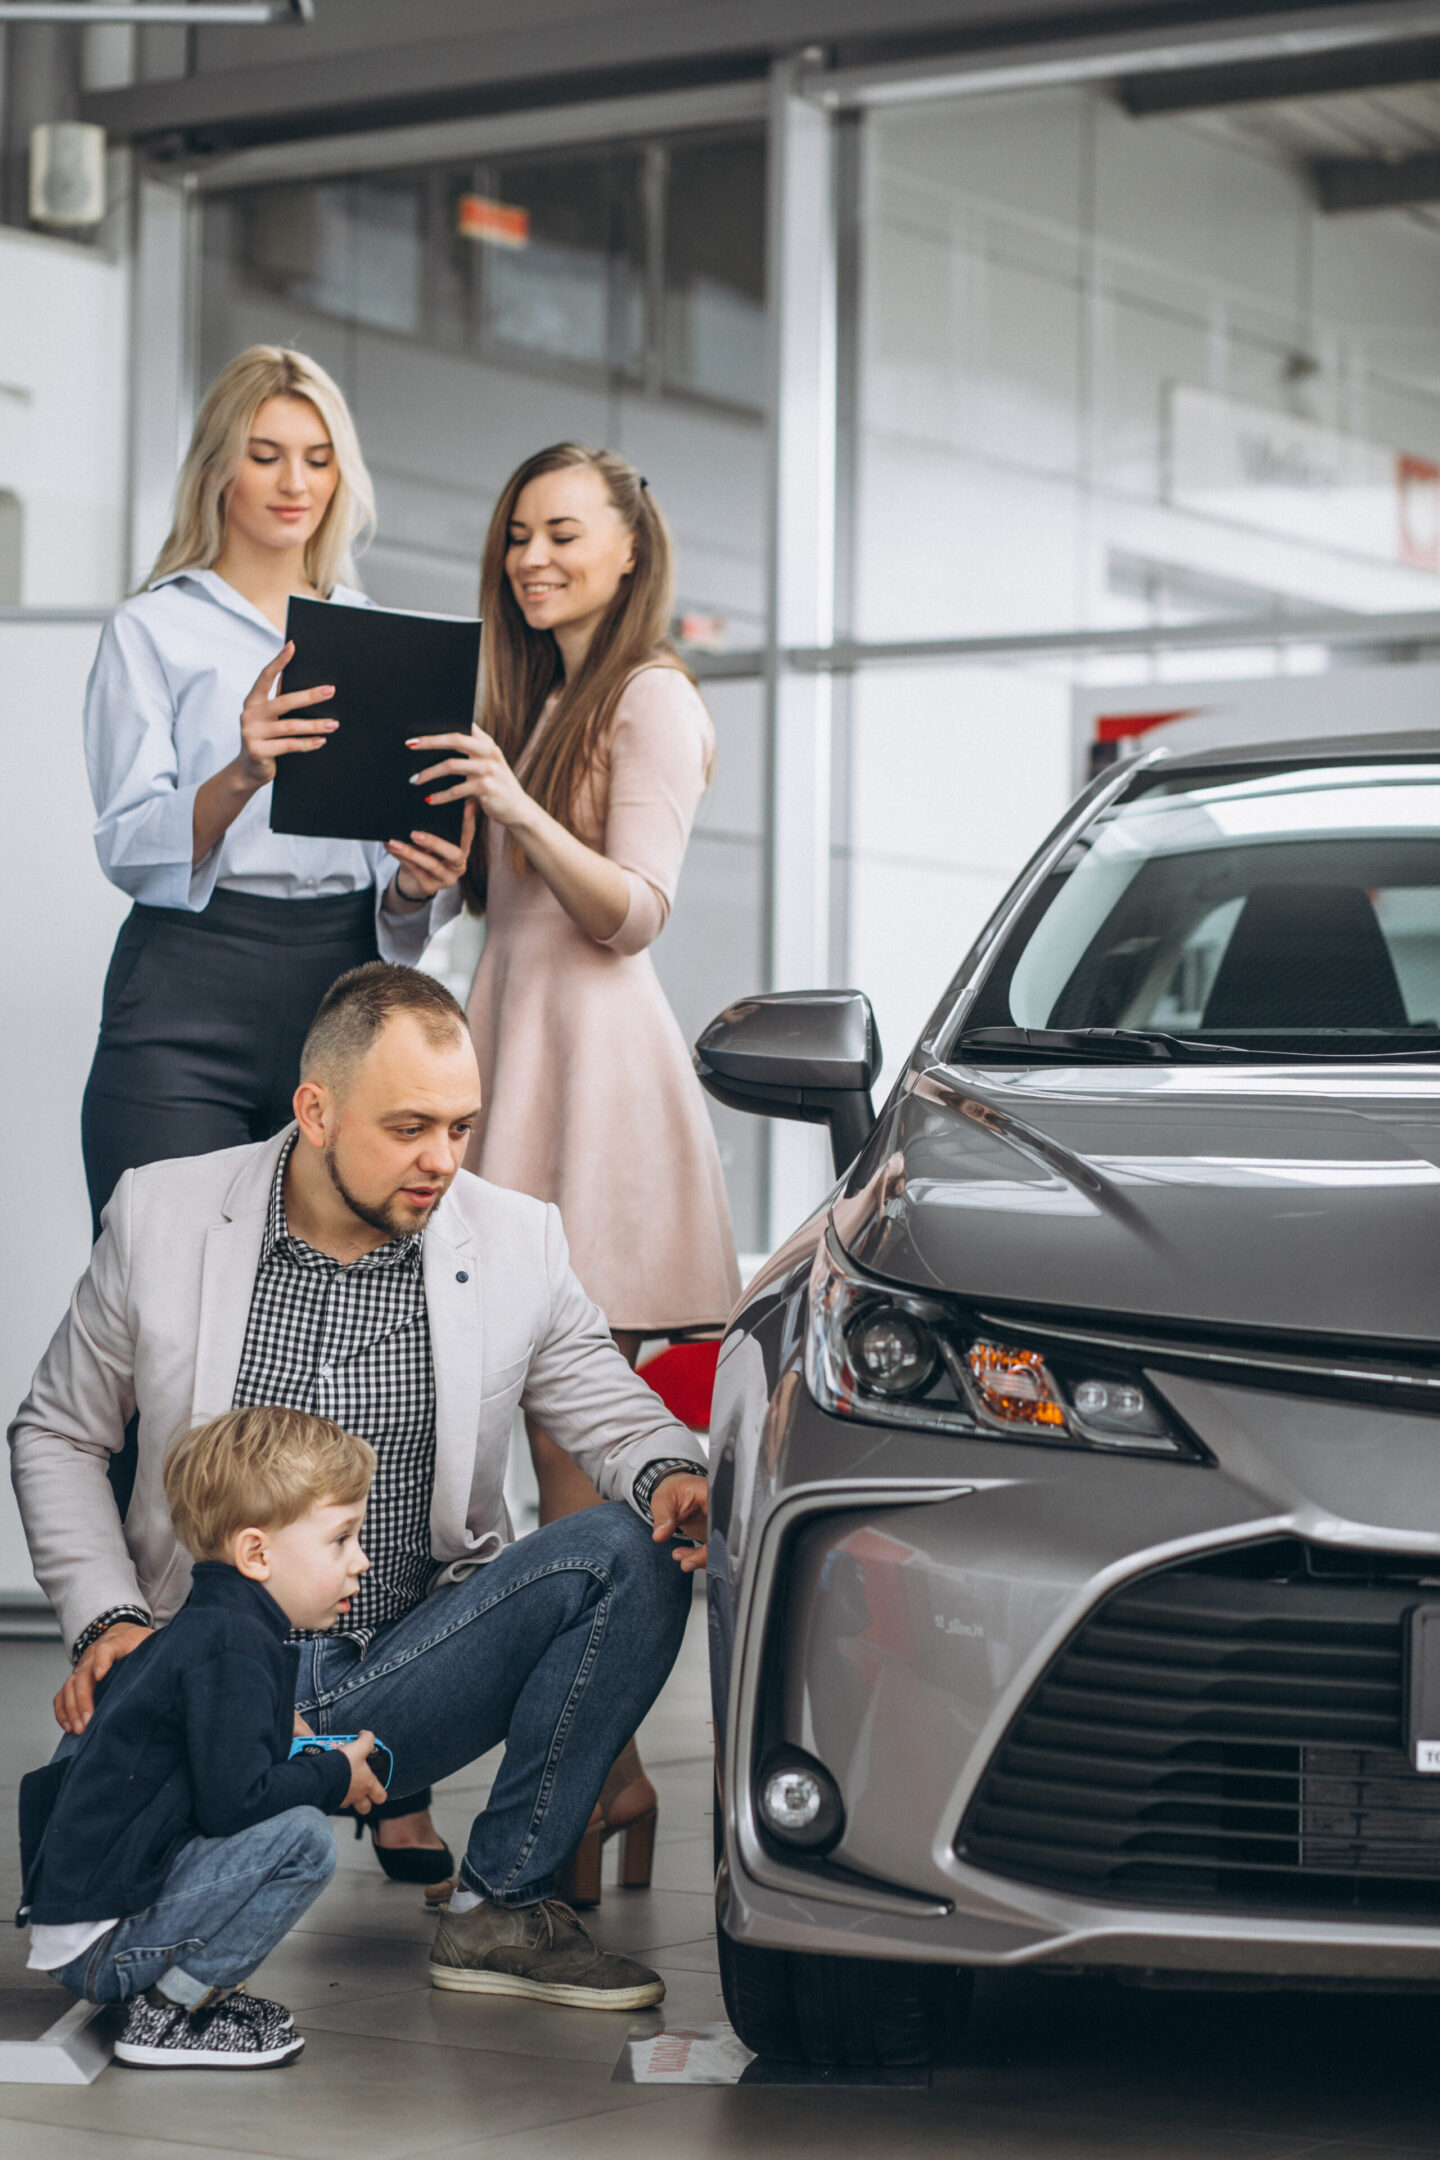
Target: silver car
1075	1569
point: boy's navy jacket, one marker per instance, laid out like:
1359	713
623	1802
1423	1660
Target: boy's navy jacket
190	1738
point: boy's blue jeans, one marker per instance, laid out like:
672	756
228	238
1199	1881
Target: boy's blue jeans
558	1647
225	1905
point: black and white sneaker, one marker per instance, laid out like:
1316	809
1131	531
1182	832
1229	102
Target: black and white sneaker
240	2032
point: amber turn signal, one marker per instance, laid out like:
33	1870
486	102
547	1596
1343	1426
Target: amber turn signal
1014	1385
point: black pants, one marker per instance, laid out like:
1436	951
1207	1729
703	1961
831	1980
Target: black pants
202	1023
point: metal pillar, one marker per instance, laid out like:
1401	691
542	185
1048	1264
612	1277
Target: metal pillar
163	304
802	258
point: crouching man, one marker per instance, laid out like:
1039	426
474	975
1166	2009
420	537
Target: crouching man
350	1268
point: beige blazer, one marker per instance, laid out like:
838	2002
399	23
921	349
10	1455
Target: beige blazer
157	1322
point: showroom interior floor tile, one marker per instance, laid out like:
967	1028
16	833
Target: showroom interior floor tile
1074	2069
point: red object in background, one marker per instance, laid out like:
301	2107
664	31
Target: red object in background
480	217
1123	727
1417	490
684	1378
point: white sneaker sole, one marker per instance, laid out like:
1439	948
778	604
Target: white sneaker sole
162	2058
462	1981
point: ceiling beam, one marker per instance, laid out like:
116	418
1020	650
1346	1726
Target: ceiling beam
1343	184
1296	75
626	46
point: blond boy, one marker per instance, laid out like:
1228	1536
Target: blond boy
176	1843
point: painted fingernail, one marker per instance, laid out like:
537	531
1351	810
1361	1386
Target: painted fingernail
429	798
416	779
412	742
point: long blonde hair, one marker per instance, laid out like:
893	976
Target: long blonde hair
222	431
522	666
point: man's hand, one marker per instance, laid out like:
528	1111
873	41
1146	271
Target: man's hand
75	1703
678	1508
366	1791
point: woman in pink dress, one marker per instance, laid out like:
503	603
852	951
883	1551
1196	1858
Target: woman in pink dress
593	751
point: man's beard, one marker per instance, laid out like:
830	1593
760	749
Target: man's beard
388	1218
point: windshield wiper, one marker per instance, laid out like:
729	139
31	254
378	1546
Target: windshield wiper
1130	1046
1110	1046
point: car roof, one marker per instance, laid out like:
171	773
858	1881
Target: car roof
1416	743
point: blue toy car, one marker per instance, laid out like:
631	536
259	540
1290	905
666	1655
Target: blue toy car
380	1759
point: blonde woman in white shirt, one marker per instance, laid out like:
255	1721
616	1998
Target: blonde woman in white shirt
236	932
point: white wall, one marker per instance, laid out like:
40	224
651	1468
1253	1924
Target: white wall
62	416
60	920
63	384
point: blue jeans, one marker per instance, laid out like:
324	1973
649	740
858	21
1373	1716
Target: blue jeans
558	1647
225	1905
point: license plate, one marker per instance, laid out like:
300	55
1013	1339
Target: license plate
1422	1688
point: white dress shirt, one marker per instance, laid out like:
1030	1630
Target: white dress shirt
162	715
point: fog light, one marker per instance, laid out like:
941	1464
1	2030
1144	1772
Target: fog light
799	1801
792	1799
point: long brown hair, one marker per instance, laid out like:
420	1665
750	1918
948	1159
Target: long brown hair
523	666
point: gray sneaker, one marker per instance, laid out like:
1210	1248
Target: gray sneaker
541	1951
234	2032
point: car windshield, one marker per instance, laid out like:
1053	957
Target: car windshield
1290	910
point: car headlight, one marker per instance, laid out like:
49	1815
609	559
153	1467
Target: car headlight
901	1357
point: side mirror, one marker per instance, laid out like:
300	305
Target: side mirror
809	1054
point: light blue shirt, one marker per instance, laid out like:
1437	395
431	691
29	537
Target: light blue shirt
162	715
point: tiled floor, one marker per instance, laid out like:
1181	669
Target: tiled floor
1053	2069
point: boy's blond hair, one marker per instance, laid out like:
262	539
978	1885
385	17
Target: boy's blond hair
260	1469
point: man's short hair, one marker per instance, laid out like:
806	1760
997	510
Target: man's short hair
260	1469
356	1008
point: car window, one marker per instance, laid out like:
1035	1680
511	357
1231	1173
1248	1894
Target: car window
1297	906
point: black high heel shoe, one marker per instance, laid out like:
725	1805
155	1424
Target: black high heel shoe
409	1863
406	1863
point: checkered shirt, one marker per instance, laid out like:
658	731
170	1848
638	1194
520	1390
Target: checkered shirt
353	1344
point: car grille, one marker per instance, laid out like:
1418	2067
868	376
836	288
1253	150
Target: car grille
1225	1734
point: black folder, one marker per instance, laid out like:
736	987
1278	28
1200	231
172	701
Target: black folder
394	675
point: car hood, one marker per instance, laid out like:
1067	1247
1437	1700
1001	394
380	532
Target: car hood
1277	1198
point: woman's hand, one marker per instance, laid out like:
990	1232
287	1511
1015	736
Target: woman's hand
594	892
267	730
428	864
483	775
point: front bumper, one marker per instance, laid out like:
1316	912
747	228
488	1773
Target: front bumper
895	1604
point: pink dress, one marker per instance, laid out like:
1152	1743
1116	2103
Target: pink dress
589	1098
